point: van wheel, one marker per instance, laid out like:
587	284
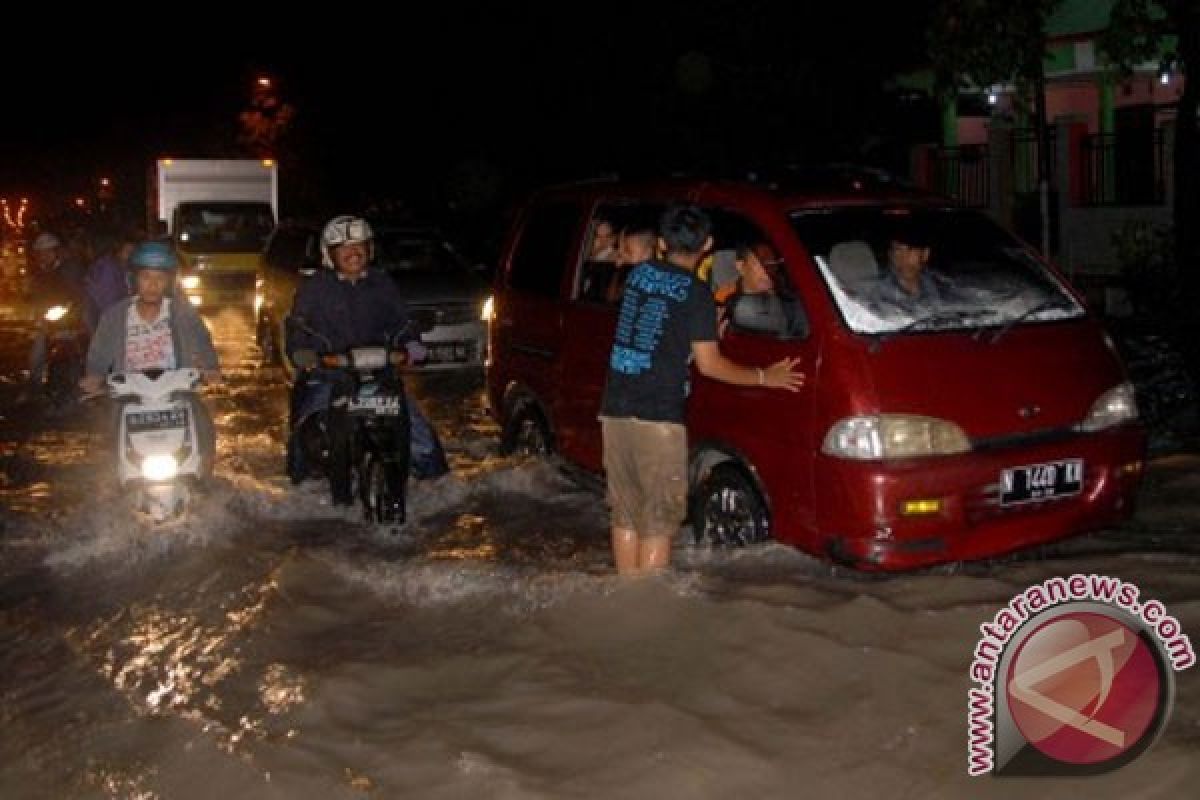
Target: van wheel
527	433
728	511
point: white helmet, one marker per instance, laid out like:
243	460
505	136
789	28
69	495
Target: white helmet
343	230
46	241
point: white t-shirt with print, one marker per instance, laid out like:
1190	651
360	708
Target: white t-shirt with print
148	344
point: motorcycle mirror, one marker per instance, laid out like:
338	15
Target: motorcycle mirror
424	320
301	324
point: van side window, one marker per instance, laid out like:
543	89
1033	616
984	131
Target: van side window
544	249
746	263
620	236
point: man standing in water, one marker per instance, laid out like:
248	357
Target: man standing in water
667	317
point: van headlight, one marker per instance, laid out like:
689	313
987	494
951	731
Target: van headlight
55	313
489	309
159	468
1114	407
886	436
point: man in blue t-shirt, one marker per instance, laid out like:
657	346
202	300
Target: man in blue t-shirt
667	318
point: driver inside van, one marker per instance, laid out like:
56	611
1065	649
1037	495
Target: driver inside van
908	286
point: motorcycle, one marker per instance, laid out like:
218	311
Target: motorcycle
66	341
159	452
365	385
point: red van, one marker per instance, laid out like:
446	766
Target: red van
998	418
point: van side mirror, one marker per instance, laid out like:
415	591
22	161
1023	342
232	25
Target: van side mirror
769	313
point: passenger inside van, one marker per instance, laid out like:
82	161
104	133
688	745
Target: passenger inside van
600	266
758	270
635	245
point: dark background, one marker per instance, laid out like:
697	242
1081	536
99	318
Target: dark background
459	109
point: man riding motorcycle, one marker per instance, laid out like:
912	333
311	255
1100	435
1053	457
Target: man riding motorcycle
345	306
155	330
56	294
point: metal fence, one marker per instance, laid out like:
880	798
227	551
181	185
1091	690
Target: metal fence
1124	171
964	174
1025	154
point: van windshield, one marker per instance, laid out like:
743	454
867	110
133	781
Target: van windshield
900	270
224	227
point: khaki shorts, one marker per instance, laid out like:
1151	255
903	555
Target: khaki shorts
646	463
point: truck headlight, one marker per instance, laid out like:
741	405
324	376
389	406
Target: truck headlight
489	309
55	313
159	468
190	282
1114	407
887	436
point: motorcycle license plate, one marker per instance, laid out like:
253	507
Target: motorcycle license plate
383	406
1041	482
142	421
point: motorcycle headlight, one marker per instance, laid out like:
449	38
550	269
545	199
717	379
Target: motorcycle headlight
159	468
190	282
1114	407
55	313
887	436
489	309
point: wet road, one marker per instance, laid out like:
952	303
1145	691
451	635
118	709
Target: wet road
270	646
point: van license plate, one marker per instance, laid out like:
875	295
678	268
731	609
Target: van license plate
1041	482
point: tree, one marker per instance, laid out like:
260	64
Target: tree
1141	31
265	122
982	43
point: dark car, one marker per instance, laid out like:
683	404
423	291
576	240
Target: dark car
436	281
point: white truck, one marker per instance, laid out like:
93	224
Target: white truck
218	213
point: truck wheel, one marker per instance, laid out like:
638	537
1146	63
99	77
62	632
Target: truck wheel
727	509
527	433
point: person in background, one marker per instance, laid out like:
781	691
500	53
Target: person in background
56	281
107	279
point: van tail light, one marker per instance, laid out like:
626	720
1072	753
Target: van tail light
1114	407
876	437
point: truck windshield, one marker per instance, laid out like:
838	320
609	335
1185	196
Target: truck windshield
907	270
224	227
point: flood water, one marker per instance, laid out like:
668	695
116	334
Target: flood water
269	646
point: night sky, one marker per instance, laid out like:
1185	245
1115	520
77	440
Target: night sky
466	104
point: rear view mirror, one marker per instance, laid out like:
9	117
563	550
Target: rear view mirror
769	313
